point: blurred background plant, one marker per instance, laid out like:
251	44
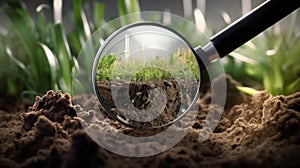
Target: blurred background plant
37	54
273	58
270	61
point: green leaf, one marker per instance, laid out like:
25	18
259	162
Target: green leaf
62	51
293	87
99	14
14	60
52	62
74	42
134	6
23	24
42	23
278	79
122	11
134	10
80	19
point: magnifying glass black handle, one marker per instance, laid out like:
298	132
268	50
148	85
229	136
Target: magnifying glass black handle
250	25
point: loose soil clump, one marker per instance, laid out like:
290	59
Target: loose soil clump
264	132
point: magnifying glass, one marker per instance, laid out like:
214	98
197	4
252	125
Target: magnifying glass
147	75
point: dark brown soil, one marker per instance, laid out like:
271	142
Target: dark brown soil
177	95
264	132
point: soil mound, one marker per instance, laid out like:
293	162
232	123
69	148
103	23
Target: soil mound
262	132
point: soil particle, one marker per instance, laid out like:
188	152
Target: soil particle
264	132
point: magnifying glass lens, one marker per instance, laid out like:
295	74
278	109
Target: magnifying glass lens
146	75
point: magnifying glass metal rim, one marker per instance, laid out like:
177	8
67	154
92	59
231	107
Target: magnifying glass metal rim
145	23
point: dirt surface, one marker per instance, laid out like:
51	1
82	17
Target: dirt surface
261	132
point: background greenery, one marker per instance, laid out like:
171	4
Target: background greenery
271	60
37	54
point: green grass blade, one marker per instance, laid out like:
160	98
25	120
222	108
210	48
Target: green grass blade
278	80
62	51
122	11
134	10
99	14
134	6
76	42
15	61
52	62
42	23
268	81
293	87
23	25
80	19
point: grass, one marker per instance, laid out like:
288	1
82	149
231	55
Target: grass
37	55
180	65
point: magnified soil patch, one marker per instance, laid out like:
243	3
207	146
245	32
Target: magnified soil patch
264	132
150	103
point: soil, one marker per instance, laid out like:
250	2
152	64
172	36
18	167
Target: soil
257	131
173	96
